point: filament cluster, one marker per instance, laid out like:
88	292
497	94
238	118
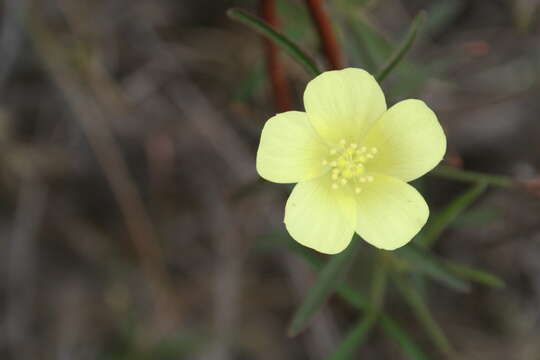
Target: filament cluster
347	165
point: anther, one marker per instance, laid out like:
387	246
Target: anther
374	150
369	178
333	152
354	146
369	156
343	181
325	162
343	142
335	186
358	190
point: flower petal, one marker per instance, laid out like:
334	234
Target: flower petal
390	212
343	104
320	217
290	150
410	141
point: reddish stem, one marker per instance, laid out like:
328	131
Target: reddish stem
326	34
274	67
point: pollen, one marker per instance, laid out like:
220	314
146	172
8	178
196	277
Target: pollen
348	165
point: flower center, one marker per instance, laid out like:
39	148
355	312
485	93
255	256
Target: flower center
347	165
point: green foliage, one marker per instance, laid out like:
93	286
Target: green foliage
327	281
279	39
355	338
427	264
400	52
471	176
473	274
418	305
413	267
446	217
402	338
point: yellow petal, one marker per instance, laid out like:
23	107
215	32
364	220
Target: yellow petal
409	139
320	217
290	150
390	212
343	104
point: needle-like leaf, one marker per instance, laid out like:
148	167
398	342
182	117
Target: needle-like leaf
278	38
325	285
446	217
424	262
403	48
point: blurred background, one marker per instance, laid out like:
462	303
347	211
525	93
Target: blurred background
132	225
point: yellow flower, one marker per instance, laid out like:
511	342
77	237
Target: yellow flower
352	159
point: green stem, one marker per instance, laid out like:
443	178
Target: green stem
472	176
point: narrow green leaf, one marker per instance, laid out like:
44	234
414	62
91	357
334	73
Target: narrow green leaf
422	312
370	47
477	217
351	296
452	173
355	338
426	263
390	326
401	336
402	49
325	285
475	274
279	39
446	217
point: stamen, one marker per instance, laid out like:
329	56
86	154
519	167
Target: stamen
347	173
348	165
